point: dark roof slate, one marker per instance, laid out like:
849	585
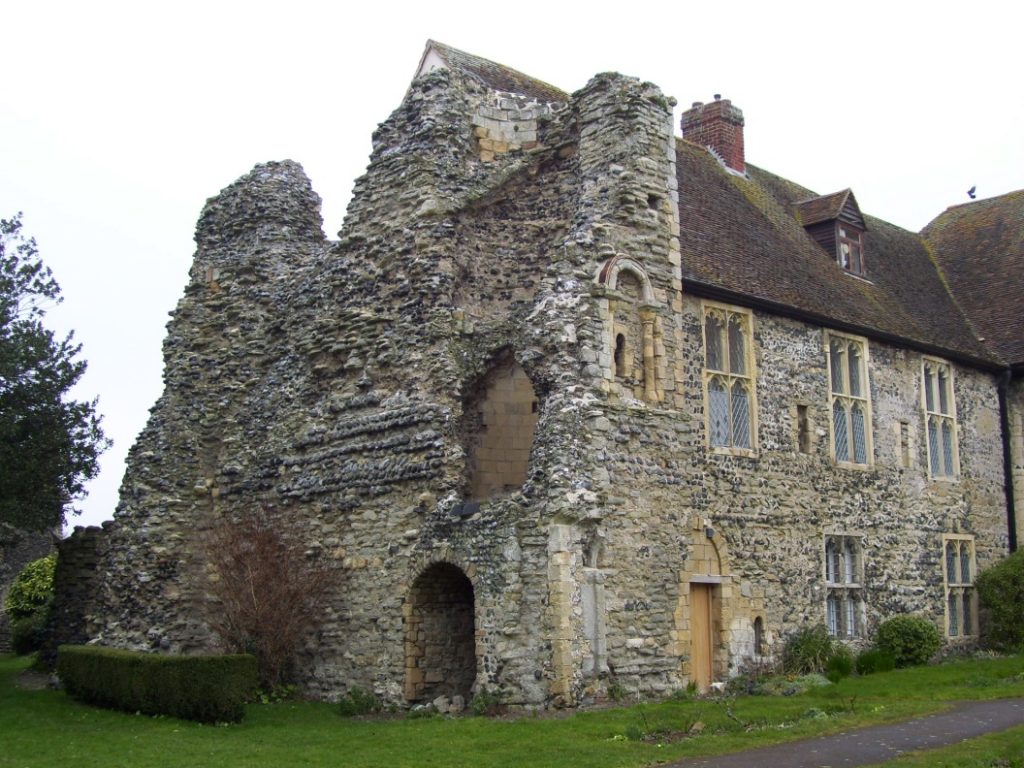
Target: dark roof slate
826	207
980	249
497	76
742	236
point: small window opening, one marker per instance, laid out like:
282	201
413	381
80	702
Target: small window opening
759	636
803	429
620	355
653	202
904	444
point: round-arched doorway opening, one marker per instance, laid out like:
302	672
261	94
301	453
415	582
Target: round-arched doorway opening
440	643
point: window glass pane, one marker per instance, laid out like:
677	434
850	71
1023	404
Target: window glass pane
965	563
839	430
718	412
832	614
954	605
947	447
968	627
856	265
740	416
835	351
853	363
943	391
851	616
929	394
737	345
860	454
933	447
951	563
850	562
713	334
831	561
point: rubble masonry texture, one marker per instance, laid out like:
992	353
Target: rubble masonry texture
338	383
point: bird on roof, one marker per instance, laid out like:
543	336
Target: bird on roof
970	192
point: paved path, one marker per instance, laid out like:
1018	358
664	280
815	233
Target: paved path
877	743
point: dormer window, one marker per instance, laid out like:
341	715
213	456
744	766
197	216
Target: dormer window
836	224
851	249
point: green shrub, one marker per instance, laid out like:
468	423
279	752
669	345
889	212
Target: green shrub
32	589
207	689
839	664
358	702
910	640
875	660
808	650
1001	592
27	633
486	702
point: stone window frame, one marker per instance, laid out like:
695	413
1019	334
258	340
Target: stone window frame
728	377
848	396
843	555
960	607
646	311
940	422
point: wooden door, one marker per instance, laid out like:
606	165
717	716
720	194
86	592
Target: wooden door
700	635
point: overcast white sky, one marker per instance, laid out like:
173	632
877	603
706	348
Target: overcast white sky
118	120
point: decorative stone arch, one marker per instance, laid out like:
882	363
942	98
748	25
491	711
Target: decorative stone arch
500	414
704	615
634	335
439	615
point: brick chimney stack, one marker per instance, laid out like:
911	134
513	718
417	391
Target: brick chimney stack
718	125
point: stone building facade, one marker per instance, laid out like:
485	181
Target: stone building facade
571	401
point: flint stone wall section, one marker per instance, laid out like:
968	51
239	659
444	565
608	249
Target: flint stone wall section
326	382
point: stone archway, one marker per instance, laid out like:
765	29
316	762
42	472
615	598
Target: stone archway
440	643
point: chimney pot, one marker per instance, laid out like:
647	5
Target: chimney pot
718	125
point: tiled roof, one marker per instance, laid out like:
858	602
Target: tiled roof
742	236
980	249
824	208
497	76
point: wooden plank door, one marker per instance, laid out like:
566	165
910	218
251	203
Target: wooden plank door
700	635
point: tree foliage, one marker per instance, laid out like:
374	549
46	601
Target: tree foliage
1001	589
49	443
32	589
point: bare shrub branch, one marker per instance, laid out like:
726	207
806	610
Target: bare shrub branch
271	594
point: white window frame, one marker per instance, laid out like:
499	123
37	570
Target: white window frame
850	396
844	585
940	424
728	377
961	603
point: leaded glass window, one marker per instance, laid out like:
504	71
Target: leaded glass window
940	416
851	407
728	377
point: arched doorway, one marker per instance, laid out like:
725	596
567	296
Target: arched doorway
440	644
704	595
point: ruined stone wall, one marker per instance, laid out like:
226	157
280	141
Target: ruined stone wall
75	584
339	386
18	548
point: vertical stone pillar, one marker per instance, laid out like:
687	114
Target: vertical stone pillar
560	598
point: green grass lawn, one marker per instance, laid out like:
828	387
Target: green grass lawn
46	728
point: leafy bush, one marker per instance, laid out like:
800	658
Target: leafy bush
32	589
486	702
358	702
27	634
875	660
910	640
839	664
1001	592
204	688
808	650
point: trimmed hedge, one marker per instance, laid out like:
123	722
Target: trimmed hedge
208	689
1001	589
